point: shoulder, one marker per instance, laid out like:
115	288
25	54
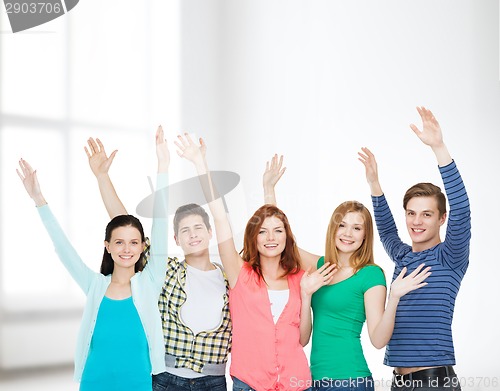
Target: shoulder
372	273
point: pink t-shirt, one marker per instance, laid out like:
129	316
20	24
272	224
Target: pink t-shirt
264	355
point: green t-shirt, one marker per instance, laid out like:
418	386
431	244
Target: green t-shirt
338	318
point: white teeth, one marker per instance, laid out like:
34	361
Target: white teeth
417	230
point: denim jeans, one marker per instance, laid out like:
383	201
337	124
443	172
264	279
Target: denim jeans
167	382
238	385
351	384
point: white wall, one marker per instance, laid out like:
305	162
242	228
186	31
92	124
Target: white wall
316	80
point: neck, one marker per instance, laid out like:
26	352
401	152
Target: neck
122	275
418	247
200	261
343	260
271	267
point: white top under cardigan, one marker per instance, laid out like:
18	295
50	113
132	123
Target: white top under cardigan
146	285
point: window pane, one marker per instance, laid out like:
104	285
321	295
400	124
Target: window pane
110	63
29	263
33	76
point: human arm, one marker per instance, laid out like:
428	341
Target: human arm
272	174
157	264
310	283
380	321
100	163
65	251
384	219
29	179
230	257
432	136
371	171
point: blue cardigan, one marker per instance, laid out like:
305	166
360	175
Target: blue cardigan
146	287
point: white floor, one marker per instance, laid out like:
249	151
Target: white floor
54	379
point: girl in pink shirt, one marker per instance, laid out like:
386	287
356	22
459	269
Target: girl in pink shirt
269	296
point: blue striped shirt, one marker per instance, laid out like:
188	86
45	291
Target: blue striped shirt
422	331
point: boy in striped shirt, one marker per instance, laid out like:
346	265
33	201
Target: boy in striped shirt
421	348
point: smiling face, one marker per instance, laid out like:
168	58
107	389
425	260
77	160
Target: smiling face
350	233
125	246
423	222
193	236
271	239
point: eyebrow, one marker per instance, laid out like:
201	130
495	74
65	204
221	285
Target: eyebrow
187	226
424	211
355	224
276	227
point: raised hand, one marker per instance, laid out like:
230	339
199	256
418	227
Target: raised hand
371	171
30	182
415	280
430	134
274	171
189	150
98	160
368	159
162	152
311	282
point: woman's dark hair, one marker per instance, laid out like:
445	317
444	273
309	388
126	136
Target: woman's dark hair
108	264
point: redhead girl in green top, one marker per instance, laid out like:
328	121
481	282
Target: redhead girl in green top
356	293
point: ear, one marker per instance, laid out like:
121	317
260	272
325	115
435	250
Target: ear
176	240
442	219
106	244
210	234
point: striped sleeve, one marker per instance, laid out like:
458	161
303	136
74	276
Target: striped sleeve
456	246
388	231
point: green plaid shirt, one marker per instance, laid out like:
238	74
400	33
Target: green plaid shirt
190	350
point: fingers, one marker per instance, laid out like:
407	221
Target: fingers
366	157
20	175
26	169
418	274
160	137
92	145
183	142
415	129
327	271
101	146
417	270
87	152
112	156
402	273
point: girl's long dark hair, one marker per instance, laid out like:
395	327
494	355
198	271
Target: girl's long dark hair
107	264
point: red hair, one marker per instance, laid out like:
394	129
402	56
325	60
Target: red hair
290	259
